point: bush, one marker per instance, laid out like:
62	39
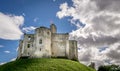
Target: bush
109	68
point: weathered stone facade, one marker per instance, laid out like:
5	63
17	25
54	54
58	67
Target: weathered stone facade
46	42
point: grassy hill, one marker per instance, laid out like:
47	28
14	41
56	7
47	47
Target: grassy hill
44	64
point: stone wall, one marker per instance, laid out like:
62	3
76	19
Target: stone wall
28	45
59	44
20	49
53	28
73	52
47	43
42	42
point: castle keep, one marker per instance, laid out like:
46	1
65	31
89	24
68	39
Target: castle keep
46	42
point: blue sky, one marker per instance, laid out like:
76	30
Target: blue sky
35	13
95	25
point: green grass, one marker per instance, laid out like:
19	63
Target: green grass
44	64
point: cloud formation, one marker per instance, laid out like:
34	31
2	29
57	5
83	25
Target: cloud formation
28	29
54	0
3	63
99	38
7	51
13	59
10	26
35	19
1	46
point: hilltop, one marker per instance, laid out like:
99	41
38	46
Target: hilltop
44	64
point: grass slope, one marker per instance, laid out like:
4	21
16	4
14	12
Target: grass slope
44	64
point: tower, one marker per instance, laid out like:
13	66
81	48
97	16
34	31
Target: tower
46	42
42	42
92	65
53	28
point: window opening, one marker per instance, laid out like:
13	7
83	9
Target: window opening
48	33
40	41
29	37
28	45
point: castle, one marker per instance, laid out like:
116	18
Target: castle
46	42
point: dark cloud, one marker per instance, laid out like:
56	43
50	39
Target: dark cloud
102	29
114	54
86	57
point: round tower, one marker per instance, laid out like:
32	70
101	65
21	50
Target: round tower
53	28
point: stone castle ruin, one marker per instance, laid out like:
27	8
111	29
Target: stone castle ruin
46	42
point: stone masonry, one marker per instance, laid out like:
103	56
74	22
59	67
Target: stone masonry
46	42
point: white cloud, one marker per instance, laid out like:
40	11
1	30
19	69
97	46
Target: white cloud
17	49
36	19
13	59
10	26
1	46
7	51
28	29
23	14
54	0
2	63
102	29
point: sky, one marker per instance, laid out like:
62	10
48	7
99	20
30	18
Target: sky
23	16
95	24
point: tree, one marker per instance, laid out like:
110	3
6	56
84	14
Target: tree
109	68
